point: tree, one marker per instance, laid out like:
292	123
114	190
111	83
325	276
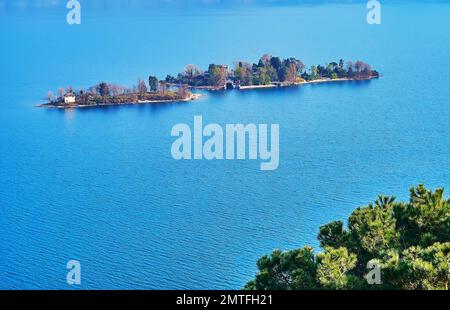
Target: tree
314	73
61	92
264	61
418	268
272	73
291	73
425	219
298	64
262	77
340	70
163	87
277	65
332	66
217	75
243	73
359	65
141	87
192	71
183	91
50	97
103	89
350	71
366	70
115	89
410	242
333	267
286	271
372	230
333	235
153	83
171	79
93	90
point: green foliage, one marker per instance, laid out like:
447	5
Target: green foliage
243	73
217	75
410	241
103	89
314	73
153	83
333	268
425	220
419	268
291	270
333	235
262	77
372	230
270	69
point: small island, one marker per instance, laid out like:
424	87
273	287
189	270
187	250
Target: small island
106	94
269	72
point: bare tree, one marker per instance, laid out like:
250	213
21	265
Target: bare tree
183	91
359	65
349	65
192	71
366	70
116	89
61	92
93	90
243	73
50	97
141	86
265	60
291	73
163	87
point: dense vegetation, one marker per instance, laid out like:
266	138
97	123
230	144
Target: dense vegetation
410	242
269	70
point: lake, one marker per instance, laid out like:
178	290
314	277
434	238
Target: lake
100	186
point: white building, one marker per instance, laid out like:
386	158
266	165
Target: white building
69	98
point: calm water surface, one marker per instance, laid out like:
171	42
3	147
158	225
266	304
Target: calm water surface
100	186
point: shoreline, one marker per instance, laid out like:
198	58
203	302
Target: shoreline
192	97
197	96
320	81
282	84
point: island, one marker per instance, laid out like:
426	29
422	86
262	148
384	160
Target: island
269	72
106	94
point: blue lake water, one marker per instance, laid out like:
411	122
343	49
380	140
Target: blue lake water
100	185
